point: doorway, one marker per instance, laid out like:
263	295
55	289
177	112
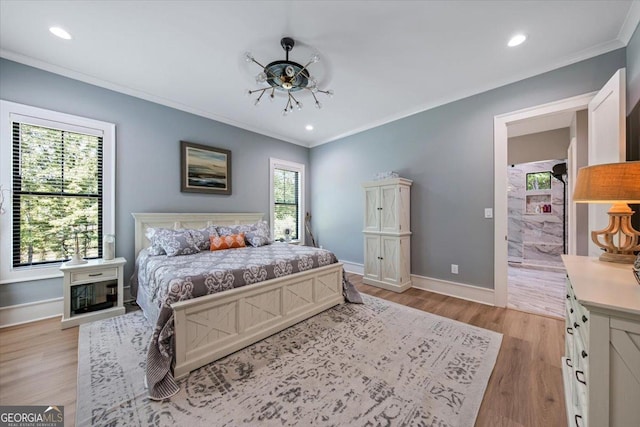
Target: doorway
606	144
501	137
537	226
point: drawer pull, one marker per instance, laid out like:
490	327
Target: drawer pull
578	373
95	274
570	331
584	318
584	354
568	362
576	418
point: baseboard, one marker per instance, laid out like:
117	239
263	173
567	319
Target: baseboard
454	289
395	288
30	312
352	267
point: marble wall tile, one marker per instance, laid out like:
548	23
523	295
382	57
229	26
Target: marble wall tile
534	237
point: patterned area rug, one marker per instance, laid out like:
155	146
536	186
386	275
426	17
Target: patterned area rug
374	364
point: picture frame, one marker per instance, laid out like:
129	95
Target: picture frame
204	169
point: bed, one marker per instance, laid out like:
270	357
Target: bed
191	333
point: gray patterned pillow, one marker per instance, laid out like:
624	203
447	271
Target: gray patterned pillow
175	242
155	248
254	234
201	237
259	234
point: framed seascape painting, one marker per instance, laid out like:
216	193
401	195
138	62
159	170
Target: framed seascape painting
204	169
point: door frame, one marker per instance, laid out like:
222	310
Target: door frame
500	144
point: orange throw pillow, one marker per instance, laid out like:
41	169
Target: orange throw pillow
227	242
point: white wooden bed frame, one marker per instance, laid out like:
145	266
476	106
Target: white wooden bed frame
210	327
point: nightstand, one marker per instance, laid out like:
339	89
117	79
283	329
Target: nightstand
92	291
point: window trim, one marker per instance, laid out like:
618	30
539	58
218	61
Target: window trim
13	111
294	167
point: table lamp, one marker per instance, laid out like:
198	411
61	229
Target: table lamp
618	184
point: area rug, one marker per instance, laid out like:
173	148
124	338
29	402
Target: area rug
379	363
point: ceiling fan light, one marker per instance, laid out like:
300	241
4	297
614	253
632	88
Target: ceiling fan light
286	76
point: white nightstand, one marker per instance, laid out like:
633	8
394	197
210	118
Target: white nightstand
92	291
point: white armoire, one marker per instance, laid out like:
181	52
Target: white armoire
387	234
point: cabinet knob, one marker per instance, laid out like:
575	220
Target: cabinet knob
568	296
571	310
575	325
584	318
584	354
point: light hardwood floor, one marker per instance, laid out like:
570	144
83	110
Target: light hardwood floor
38	361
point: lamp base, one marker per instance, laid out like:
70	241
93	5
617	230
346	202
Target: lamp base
617	258
619	239
76	260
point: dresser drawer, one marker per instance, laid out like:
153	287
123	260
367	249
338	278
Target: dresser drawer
94	275
578	316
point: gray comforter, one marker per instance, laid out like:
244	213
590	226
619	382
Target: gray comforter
160	281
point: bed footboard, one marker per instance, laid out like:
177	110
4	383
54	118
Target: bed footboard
210	327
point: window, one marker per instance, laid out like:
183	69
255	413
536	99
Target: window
539	181
287	199
59	172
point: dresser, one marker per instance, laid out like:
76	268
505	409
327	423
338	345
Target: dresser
387	234
601	366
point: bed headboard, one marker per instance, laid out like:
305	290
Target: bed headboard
185	220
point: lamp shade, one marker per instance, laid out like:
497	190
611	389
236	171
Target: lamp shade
608	183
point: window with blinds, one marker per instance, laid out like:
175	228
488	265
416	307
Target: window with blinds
57	185
286	209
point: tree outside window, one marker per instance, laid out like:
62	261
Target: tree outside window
57	193
286	182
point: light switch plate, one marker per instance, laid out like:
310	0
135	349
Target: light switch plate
488	212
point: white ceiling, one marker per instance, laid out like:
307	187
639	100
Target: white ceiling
384	59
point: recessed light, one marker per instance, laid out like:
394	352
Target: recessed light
516	40
59	32
309	127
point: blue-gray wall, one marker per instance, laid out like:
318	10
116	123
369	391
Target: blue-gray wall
448	153
148	158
